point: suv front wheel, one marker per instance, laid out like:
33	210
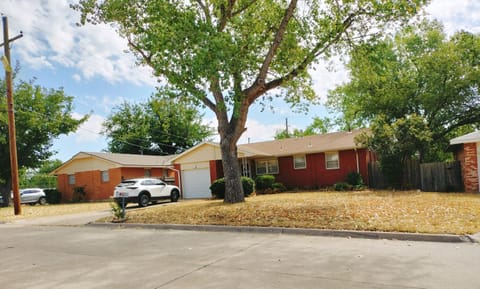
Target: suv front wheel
143	199
174	195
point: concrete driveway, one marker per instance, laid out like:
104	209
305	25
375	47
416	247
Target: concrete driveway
56	255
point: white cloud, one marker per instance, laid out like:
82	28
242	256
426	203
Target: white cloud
456	15
52	38
327	75
90	130
258	131
77	77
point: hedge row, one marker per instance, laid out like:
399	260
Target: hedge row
262	184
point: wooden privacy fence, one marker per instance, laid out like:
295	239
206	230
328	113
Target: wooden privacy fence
429	177
441	177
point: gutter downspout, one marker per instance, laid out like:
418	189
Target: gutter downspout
356	158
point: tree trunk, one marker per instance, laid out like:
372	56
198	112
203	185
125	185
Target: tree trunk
231	171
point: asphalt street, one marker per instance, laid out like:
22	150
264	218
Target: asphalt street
41	255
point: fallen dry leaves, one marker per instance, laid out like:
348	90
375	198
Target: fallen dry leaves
7	214
454	213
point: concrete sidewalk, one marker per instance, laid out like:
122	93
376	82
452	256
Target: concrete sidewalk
79	219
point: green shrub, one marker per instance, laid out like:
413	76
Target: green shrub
248	185
218	187
278	187
354	179
53	196
264	182
117	211
342	186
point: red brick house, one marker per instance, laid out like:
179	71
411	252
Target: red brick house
466	149
305	163
99	173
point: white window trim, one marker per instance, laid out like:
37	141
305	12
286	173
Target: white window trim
107	178
295	163
267	172
71	179
338	160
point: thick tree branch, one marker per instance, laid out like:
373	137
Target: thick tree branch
319	49
226	14
146	57
262	74
466	118
205	10
220	107
209	103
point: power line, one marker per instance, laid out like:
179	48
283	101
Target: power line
116	139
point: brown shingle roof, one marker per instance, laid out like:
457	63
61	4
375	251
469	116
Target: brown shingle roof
131	160
336	141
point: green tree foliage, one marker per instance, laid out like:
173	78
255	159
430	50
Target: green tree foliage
158	127
41	115
39	177
397	142
318	126
228	55
421	73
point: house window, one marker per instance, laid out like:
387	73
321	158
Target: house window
299	162
71	179
267	167
105	177
332	160
148	173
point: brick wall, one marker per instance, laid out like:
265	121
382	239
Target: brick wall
470	167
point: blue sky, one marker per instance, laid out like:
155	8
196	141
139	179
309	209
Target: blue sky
91	64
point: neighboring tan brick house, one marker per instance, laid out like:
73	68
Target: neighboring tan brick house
99	173
467	150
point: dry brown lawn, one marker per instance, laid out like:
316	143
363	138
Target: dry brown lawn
7	214
454	213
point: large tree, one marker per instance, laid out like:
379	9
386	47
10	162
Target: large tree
227	54
41	115
419	72
158	127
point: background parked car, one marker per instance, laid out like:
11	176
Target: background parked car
33	196
144	190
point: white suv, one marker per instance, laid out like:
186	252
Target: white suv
144	190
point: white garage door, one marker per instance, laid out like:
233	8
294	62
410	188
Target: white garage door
196	183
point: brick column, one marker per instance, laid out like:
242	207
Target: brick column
213	171
470	178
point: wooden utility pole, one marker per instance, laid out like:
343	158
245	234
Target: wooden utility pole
286	128
11	116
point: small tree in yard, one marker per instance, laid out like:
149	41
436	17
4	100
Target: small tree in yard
229	54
